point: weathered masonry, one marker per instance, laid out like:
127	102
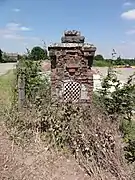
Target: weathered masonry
71	75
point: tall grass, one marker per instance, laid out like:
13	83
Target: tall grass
85	132
6	89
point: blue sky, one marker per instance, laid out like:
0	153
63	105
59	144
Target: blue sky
107	24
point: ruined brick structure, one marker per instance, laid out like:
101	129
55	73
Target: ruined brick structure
71	75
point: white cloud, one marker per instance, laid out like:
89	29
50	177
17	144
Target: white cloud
127	4
13	36
12	31
123	42
19	37
23	28
129	15
131	32
16	10
16	27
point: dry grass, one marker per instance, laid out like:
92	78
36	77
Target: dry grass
96	146
6	86
36	161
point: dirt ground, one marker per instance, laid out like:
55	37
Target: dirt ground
35	162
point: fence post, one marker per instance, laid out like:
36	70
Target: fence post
21	90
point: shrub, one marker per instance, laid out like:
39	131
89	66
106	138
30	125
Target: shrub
120	105
35	81
100	63
121	101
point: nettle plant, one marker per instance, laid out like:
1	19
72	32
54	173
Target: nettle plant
120	101
119	104
35	81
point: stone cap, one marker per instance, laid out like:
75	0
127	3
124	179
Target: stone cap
72	36
73	39
72	33
71	45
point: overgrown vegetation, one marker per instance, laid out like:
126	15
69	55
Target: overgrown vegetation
121	101
88	137
120	105
86	133
128	129
35	81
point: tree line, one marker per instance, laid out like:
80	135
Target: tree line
99	60
37	53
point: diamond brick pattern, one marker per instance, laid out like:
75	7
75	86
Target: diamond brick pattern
72	91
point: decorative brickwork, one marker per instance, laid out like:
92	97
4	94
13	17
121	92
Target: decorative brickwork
71	75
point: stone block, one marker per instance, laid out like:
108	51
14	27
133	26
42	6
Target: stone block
73	39
72	33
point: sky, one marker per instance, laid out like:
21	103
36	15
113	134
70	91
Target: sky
108	24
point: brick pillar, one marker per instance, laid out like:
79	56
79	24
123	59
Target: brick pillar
71	75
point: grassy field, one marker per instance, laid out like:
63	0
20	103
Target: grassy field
6	87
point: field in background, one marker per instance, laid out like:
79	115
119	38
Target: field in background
122	73
6	87
4	67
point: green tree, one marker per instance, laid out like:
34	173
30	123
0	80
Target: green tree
38	53
99	57
1	59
